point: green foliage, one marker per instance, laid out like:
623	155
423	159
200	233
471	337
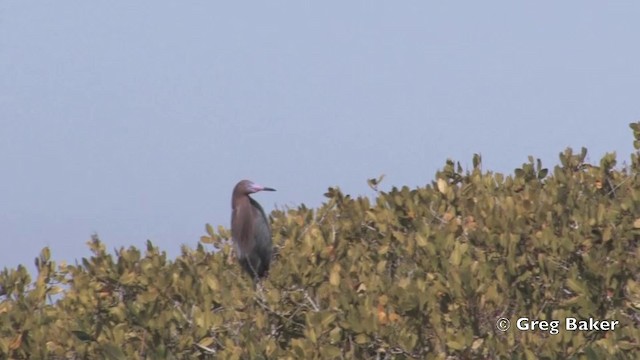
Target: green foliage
414	273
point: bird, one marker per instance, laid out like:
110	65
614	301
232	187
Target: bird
250	229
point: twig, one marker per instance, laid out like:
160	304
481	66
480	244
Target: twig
205	349
613	189
315	306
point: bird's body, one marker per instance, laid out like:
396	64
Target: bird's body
250	230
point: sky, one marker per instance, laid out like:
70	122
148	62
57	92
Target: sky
134	120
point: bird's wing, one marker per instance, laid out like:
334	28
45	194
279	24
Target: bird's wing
261	227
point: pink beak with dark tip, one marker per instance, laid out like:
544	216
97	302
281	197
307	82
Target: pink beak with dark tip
256	188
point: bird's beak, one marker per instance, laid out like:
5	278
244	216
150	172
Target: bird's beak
256	188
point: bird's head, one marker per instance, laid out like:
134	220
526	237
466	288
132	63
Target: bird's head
247	187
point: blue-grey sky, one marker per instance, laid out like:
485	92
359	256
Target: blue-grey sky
134	120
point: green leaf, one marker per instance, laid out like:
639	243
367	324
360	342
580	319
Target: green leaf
210	230
477	160
83	335
330	352
455	345
113	352
206	240
543	173
576	286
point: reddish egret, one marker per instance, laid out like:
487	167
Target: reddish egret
250	229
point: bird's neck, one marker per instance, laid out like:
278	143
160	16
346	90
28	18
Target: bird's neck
239	201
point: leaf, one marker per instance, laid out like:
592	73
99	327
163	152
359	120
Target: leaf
54	290
382	315
330	352
477	160
206	342
17	342
5	306
421	240
212	282
530	355
113	352
334	278
476	344
519	172
328	319
46	254
576	286
456	255
543	173
310	334
443	186
83	335
455	345
361	339
128	278
209	230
